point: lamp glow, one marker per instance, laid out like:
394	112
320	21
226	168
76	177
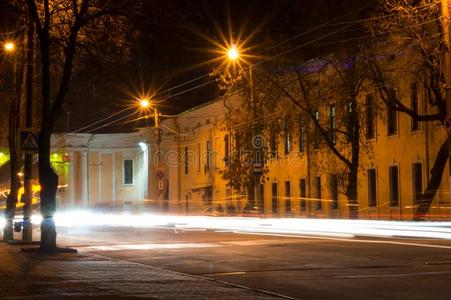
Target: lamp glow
144	103
9	46
233	53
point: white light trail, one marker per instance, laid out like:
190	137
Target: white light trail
149	246
289	226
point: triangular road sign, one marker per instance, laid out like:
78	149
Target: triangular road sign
29	141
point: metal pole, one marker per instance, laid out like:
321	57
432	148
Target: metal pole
14	110
257	154
27	233
157	152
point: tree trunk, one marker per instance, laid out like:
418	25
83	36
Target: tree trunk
49	185
352	188
434	183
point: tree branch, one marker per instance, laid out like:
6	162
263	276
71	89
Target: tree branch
68	63
391	99
309	111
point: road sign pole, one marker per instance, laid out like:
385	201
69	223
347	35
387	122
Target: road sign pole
27	231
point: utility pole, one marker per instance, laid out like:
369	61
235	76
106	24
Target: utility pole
14	99
257	155
158	158
27	233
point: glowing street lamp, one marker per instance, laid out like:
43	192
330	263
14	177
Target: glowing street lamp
233	53
144	102
235	56
9	47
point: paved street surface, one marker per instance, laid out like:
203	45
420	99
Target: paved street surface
301	267
89	276
153	263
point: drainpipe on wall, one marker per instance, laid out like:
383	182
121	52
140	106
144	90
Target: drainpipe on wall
179	189
87	171
308	203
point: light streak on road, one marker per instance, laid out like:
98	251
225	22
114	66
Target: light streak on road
288	226
149	246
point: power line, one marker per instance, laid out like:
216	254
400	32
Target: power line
329	23
205	75
112	122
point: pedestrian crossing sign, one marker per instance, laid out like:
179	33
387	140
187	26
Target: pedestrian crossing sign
29	141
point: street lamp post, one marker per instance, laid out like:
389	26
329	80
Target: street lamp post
146	103
9	49
27	230
233	55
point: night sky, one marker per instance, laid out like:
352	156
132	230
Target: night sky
171	44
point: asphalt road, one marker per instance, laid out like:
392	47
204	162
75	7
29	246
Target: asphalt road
297	267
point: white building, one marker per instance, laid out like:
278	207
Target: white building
101	170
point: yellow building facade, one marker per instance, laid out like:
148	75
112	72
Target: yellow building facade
187	179
178	168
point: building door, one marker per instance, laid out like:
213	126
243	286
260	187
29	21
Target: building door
287	198
303	196
274	199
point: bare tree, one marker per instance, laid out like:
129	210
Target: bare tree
327	93
66	29
321	100
418	51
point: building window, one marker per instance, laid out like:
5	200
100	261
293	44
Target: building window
273	145
274	200
128	171
414	106
334	190
332	123
185	160
392	114
208	157
417	176
301	135
394	185
227	149
287	198
303	194
287	136
372	202
318	204
316	137
370	117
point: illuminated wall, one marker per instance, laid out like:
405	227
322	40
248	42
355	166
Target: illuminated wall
91	167
187	190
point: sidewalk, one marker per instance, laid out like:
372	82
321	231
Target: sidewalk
86	276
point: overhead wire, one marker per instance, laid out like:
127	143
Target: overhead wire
213	80
329	23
